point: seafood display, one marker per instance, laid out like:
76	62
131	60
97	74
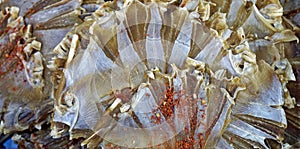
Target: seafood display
149	74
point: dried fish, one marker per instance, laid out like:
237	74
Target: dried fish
24	79
167	74
146	46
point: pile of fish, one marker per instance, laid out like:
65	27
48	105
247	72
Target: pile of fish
150	74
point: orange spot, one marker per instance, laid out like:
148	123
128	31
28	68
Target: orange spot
184	2
14	89
147	95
